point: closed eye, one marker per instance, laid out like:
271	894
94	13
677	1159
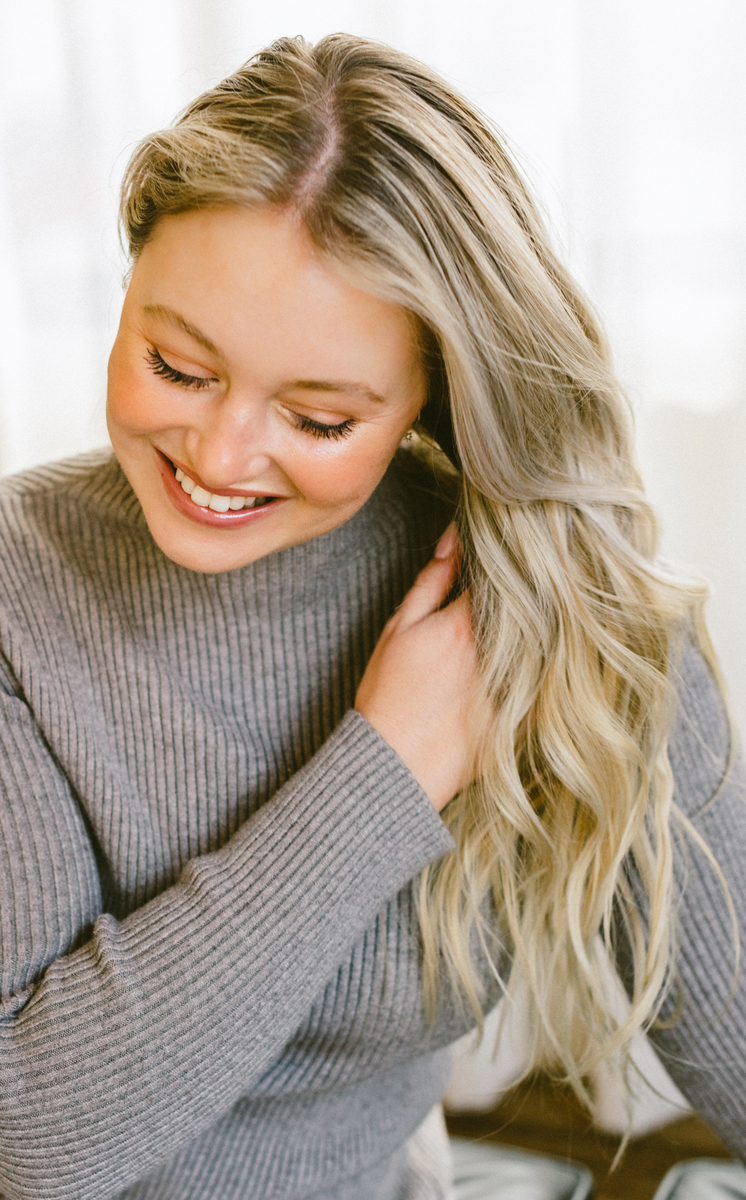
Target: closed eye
320	430
160	367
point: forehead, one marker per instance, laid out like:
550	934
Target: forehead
252	282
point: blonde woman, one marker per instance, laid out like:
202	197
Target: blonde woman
295	770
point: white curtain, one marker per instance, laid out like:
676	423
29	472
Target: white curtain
628	116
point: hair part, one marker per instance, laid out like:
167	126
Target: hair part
412	195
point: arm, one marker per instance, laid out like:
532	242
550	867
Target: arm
705	1050
127	1047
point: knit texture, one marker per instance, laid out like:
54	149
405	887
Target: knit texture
704	1050
209	965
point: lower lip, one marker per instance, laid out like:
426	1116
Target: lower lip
206	516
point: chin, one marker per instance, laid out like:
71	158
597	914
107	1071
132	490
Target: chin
206	551
211	549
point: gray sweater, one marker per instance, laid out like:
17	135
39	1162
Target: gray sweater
208	946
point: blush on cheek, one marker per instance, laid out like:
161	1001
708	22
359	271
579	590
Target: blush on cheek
135	404
136	401
351	478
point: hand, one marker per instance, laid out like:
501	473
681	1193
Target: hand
418	685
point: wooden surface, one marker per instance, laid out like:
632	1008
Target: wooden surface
539	1116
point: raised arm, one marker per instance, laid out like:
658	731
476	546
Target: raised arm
124	1049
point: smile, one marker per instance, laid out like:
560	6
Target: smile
204	499
217	509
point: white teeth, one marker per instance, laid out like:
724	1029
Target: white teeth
216	502
201	496
219	503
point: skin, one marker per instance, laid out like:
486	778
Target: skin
238	346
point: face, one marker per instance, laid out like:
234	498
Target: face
255	397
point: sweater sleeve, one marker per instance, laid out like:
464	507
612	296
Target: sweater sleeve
123	1049
704	1050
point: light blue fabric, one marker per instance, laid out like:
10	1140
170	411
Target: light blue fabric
488	1172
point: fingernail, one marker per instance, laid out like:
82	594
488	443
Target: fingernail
447	543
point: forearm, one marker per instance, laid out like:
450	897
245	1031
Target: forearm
138	1040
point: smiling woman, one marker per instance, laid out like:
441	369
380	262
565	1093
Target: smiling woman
316	741
249	366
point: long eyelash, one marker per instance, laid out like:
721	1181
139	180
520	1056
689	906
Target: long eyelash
319	430
161	367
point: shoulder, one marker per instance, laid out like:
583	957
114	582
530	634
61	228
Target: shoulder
705	758
50	495
61	516
54	475
92	479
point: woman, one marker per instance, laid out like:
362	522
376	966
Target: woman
240	927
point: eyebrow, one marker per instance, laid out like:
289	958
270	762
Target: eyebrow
174	318
329	385
308	385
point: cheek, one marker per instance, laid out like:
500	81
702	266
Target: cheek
133	403
348	477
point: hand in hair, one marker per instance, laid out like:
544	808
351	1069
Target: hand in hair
417	687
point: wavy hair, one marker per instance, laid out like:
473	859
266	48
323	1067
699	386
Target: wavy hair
413	196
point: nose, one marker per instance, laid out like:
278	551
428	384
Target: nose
230	447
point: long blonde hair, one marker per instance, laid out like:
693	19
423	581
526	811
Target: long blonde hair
409	192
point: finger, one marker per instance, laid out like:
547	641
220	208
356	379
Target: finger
461	604
448	542
429	590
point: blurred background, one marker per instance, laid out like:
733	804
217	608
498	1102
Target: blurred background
627	115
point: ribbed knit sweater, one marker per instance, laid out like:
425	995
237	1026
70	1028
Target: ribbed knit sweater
209	958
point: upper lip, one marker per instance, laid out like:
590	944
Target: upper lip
228	491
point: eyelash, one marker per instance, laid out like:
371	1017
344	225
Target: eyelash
164	369
317	429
